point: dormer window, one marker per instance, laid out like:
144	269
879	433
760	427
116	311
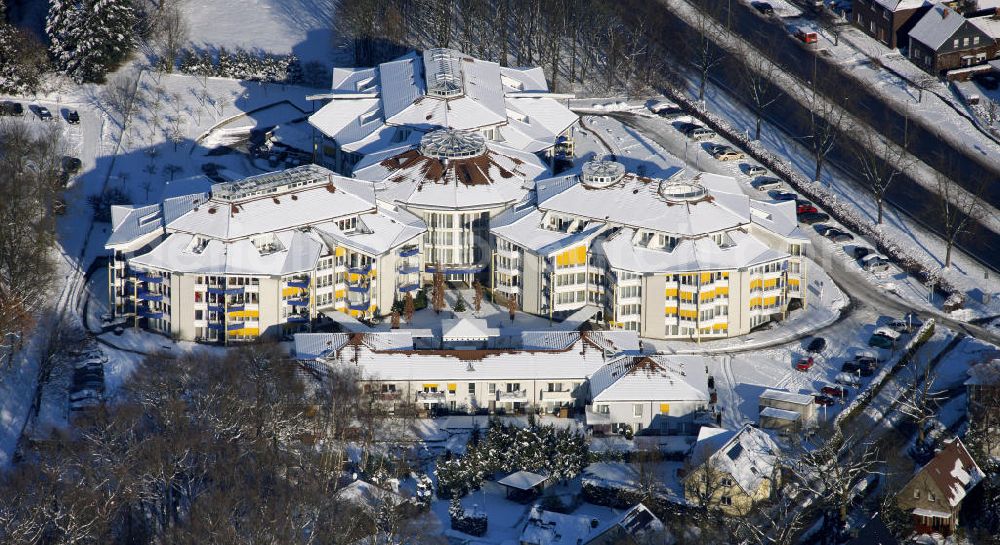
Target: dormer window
267	244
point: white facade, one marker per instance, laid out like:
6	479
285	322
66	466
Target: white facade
684	258
260	256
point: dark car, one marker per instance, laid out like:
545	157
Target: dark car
42	112
838	235
818	344
881	341
811	218
783	196
860	252
835	391
71	165
670	111
73	117
763	7
850	367
989	81
824	400
11	108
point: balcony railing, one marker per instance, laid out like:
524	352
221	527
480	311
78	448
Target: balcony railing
360	305
216	290
357	289
143	277
234	326
455	269
409	252
430	397
301	284
298	302
406	288
409	269
143	295
516	395
360	270
298	318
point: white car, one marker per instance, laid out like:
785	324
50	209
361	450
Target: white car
887	331
766	183
848	379
755	170
700	133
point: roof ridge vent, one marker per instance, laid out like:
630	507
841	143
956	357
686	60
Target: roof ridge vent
602	173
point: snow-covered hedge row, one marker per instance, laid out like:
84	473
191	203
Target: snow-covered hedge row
924	269
919	338
242	64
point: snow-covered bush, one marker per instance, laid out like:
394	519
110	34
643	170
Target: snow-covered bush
242	64
559	453
473	523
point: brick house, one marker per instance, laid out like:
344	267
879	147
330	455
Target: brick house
943	39
934	495
889	21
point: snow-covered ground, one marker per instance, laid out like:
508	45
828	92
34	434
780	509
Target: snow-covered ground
305	28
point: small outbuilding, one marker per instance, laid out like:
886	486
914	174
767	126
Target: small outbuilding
523	486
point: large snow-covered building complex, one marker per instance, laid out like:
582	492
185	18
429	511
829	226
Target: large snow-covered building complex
686	257
456	181
531	370
262	255
396	102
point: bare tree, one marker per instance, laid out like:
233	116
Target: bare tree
924	83
172	32
702	51
756	75
920	401
825	122
123	96
958	210
880	163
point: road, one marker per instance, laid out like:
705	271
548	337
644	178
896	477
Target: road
851	280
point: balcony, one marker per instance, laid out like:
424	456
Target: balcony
407	288
216	308
235	326
430	397
516	396
360	270
143	295
361	306
150	314
143	277
301	284
564	395
409	269
218	290
298	318
455	269
298	302
409	252
358	289
389	396
237	308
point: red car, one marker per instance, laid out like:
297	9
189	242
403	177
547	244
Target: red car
806	209
804	364
834	391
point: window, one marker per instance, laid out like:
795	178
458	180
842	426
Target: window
726	500
930	497
955	43
388	388
637	409
975	41
965	42
726	481
916	493
602	409
493	387
472	388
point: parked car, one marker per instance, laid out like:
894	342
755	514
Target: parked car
886	331
806	36
72	117
804	364
71	165
875	263
818	344
670	112
811	218
848	379
765	183
838	235
880	341
850	366
43	113
700	133
783	195
716	148
753	170
860	252
899	326
763	7
834	391
11	108
824	400
729	154
806	208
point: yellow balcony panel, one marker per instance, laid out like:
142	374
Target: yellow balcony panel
291	292
671	292
340	251
671	311
664	408
706	278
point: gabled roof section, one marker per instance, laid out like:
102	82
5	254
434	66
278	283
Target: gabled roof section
937	25
650	378
749	455
953	471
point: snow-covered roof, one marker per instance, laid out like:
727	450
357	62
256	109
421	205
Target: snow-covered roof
443	88
781	414
639	521
276	223
985	374
900	5
576	361
495	175
953	471
522	480
787	397
748	456
936	26
651	378
988	24
551	528
622	212
467	329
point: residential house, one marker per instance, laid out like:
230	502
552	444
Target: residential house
934	495
637	525
663	393
732	470
888	21
983	395
944	40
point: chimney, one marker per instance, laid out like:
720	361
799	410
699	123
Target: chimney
944	14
